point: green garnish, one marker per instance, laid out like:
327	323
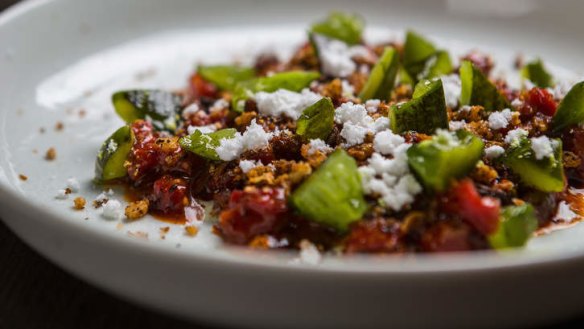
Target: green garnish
204	145
160	107
332	195
425	113
292	80
477	89
341	26
571	110
445	157
535	72
382	78
110	160
317	120
422	60
546	174
515	228
226	77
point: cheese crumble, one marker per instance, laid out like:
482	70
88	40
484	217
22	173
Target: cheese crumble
336	57
494	151
285	102
542	147
254	137
500	120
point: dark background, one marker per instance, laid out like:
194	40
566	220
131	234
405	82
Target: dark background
36	294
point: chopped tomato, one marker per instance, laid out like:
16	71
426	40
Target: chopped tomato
202	88
443	237
251	212
378	235
169	195
542	101
480	212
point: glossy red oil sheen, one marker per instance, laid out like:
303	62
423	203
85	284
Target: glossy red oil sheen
481	212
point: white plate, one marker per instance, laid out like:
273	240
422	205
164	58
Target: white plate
58	57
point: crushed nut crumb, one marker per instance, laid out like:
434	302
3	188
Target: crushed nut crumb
163	231
138	234
79	203
59	126
23	177
191	230
137	209
51	154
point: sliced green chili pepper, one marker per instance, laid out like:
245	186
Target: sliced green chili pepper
161	107
571	109
425	113
515	228
477	89
341	26
226	77
535	72
546	174
317	120
332	195
382	78
422	60
110	160
292	80
447	156
204	145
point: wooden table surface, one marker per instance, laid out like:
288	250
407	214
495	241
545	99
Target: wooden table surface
36	294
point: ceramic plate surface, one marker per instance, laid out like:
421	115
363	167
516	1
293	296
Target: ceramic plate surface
60	61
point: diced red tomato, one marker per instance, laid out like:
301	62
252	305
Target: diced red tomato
169	195
443	237
202	88
480	212
379	235
252	212
542	101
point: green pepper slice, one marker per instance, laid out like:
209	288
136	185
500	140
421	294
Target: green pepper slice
292	80
477	89
571	110
204	145
546	174
516	226
160	107
535	72
317	120
112	155
332	195
226	77
445	157
382	78
425	113
341	26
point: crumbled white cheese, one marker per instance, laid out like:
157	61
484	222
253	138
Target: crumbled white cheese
514	136
452	89
357	123
203	129
542	147
517	103
101	198
61	194
465	108
254	137
112	209
318	145
336	57
348	89
494	151
309	253
386	141
456	125
112	146
247	165
190	110
390	179
73	184
565	213
372	105
285	102
219	105
447	138
500	120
